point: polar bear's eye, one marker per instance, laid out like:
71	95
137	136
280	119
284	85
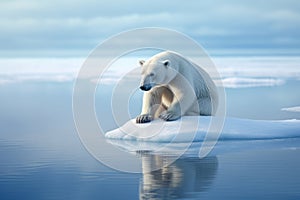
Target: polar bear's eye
151	74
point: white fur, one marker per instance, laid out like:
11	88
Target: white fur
178	87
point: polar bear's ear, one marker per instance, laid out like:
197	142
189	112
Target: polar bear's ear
166	63
141	62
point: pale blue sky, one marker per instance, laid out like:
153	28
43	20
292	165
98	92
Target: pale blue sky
73	28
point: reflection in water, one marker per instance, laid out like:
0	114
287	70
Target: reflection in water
182	179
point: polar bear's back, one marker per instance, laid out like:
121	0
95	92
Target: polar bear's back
201	81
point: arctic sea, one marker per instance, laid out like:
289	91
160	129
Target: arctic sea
42	156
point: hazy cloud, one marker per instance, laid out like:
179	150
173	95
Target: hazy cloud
78	26
292	109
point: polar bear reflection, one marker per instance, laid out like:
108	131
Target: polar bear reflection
181	179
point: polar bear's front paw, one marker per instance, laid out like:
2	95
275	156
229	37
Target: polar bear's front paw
169	116
143	118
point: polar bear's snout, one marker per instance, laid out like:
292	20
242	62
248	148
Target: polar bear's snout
146	83
146	87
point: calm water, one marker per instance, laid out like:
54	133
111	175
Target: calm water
43	158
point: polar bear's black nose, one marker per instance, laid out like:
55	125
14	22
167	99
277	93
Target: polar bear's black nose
145	87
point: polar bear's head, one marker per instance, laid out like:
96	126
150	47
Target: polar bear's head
156	72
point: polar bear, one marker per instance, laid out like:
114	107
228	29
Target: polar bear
174	87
